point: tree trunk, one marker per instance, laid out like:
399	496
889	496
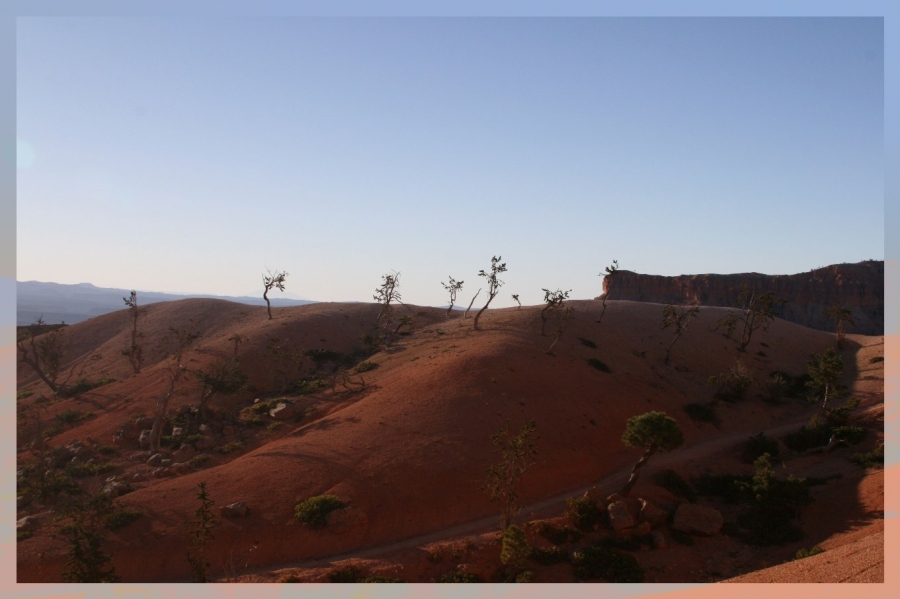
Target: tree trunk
632	480
544	323
466	315
600	320
477	316
268	305
669	349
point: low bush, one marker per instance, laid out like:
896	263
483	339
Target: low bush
231	446
593	563
456	576
598	364
548	556
84	385
757	445
314	511
701	412
82	469
870	459
851	434
583	513
671	481
72	416
366	366
347	574
558	535
121	518
802	553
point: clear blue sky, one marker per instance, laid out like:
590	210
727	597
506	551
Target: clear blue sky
187	155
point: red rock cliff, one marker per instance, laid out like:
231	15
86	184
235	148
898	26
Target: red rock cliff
859	287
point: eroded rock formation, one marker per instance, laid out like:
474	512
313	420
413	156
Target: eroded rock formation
859	287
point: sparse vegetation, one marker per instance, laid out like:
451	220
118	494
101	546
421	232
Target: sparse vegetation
679	319
386	294
607	283
515	297
870	459
223	377
493	282
553	301
199	533
734	384
583	513
653	431
175	369
272	281
841	316
314	511
453	287
121	517
87	562
558	535
135	350
755	311
825	374
366	367
774	504
804	553
514	553
517	452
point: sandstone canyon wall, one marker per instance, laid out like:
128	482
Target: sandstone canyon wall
859	287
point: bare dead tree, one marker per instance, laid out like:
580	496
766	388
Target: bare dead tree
272	281
466	313
386	294
755	311
135	351
453	287
494	284
515	296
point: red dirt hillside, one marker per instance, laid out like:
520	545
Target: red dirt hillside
405	444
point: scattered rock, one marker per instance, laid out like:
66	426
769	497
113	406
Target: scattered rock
142	423
282	411
155	460
595	495
619	516
652	514
184	453
642	529
257	400
165	463
181	467
177	431
697	519
25	524
162	472
205	429
144	439
139	477
238	509
115	488
344	519
659	540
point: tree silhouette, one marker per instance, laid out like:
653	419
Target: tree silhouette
493	284
135	351
272	281
841	316
553	301
608	279
503	478
653	431
515	296
385	294
755	311
453	287
825	374
679	319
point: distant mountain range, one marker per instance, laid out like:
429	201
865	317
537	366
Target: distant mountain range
74	303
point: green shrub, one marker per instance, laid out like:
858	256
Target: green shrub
455	576
701	412
308	385
71	416
870	459
231	446
592	563
774	505
199	460
583	513
671	481
314	510
587	343
802	553
347	574
599	365
851	434
514	551
121	518
558	535
547	556
758	445
82	469
274	426
366	366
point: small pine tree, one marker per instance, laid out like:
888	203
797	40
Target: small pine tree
503	478
87	561
199	533
514	552
825	374
653	431
841	316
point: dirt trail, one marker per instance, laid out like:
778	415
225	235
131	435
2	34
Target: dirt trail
547	508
